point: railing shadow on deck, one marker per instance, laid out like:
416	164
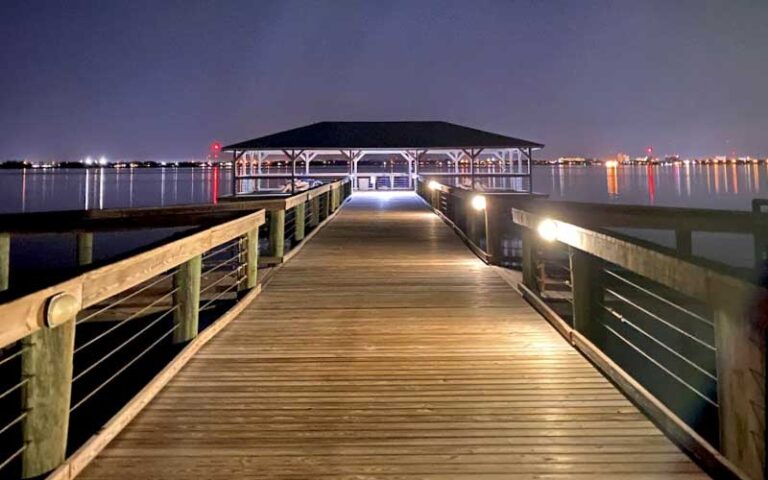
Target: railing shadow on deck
81	357
683	337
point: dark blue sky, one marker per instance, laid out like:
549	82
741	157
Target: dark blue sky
161	79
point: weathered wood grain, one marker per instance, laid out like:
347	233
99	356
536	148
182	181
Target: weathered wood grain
385	349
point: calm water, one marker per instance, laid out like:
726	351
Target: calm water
729	187
721	187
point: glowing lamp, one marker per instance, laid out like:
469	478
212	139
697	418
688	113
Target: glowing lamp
611	164
547	230
478	202
433	185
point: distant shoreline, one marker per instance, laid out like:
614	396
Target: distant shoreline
20	165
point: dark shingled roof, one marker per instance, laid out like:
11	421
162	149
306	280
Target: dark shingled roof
382	135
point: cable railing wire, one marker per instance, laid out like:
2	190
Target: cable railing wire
125	343
13	422
660	320
13	355
658	342
207	272
13	457
124	368
217	251
220	279
13	388
662	367
127	297
126	320
695	315
217	297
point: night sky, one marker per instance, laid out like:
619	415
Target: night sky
162	79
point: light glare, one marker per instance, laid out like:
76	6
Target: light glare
433	185
478	202
547	230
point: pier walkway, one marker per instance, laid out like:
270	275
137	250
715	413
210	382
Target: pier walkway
386	349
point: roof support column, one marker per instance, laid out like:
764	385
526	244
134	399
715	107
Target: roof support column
455	157
413	157
235	158
353	156
528	171
307	157
472	154
292	156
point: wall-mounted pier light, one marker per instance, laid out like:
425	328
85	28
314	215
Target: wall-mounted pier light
547	230
478	202
433	185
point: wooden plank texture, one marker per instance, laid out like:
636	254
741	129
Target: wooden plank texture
385	349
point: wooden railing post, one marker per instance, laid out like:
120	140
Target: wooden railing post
471	216
327	209
435	199
740	353
587	290
84	248
252	258
277	233
187	299
314	216
494	227
5	261
684	241
47	366
299	218
530	260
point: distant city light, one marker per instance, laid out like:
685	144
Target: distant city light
103	160
478	202
88	161
547	230
611	163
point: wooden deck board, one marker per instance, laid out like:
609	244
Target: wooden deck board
385	349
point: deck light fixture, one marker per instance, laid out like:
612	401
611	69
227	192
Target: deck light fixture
547	230
433	185
478	202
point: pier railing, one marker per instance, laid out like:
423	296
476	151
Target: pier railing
85	230
682	336
479	218
80	358
290	219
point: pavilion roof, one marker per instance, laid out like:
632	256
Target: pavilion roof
382	135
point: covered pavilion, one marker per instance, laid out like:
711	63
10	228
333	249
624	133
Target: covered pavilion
412	140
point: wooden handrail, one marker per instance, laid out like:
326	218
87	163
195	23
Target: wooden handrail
635	216
44	322
661	218
740	337
116	219
692	279
26	315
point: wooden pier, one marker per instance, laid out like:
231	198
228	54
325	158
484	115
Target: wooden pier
328	335
386	349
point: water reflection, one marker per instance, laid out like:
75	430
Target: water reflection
612	181
706	186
